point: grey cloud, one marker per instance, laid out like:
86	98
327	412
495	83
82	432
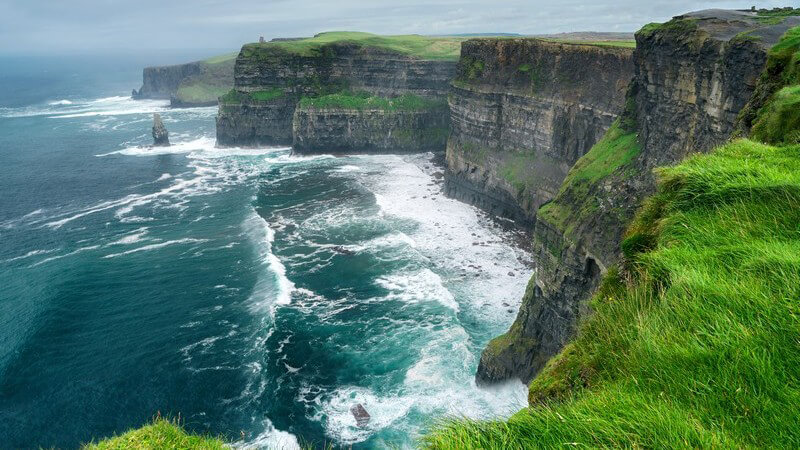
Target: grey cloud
52	25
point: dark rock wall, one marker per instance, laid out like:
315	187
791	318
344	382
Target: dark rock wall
162	82
373	131
522	112
692	78
327	69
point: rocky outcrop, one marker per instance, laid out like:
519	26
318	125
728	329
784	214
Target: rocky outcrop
522	112
374	131
160	133
271	80
693	77
192	84
162	82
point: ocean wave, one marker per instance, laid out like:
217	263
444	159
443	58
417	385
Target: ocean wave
157	246
60	103
278	289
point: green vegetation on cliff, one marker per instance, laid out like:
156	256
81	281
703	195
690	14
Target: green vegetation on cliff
214	80
365	101
696	346
423	47
575	199
234	96
160	434
779	120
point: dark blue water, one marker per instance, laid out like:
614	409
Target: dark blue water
255	294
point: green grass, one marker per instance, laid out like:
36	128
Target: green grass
233	96
423	47
214	80
200	92
698	344
575	201
160	434
228	57
778	122
365	101
776	16
622	44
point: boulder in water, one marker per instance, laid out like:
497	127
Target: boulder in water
361	414
160	133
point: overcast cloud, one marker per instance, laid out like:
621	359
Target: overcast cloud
75	25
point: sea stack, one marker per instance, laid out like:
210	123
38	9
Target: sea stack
160	133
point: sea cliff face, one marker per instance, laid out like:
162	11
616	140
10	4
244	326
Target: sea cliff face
693	77
522	112
162	82
376	131
270	82
197	83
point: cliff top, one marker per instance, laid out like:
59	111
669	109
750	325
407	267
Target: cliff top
422	47
765	26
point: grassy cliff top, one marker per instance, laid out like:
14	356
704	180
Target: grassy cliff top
423	47
696	346
219	59
160	434
604	43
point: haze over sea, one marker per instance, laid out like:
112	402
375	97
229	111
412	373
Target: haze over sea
256	294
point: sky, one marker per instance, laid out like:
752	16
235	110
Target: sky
85	25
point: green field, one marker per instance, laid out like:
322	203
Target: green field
423	47
365	101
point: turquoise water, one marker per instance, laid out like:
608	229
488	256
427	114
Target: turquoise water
256	294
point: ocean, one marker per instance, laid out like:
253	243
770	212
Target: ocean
254	294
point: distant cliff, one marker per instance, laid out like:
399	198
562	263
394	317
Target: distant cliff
522	112
693	78
355	69
197	83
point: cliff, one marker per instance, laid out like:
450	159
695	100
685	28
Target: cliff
693	77
272	78
403	124
522	112
197	83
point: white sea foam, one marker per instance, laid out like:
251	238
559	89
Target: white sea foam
60	102
418	286
72	253
29	254
164	176
278	289
131	238
157	246
271	438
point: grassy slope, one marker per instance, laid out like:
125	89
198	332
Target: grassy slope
574	201
701	347
366	101
698	345
215	80
160	434
423	47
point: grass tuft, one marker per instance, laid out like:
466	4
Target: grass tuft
365	101
161	433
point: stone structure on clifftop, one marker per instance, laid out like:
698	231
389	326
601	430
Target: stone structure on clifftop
160	133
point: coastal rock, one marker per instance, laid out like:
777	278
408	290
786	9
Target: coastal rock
192	84
522	112
693	76
160	133
343	130
270	81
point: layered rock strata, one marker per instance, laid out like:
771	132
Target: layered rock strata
270	81
693	77
522	112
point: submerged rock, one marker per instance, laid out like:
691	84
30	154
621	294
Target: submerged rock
160	133
361	414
